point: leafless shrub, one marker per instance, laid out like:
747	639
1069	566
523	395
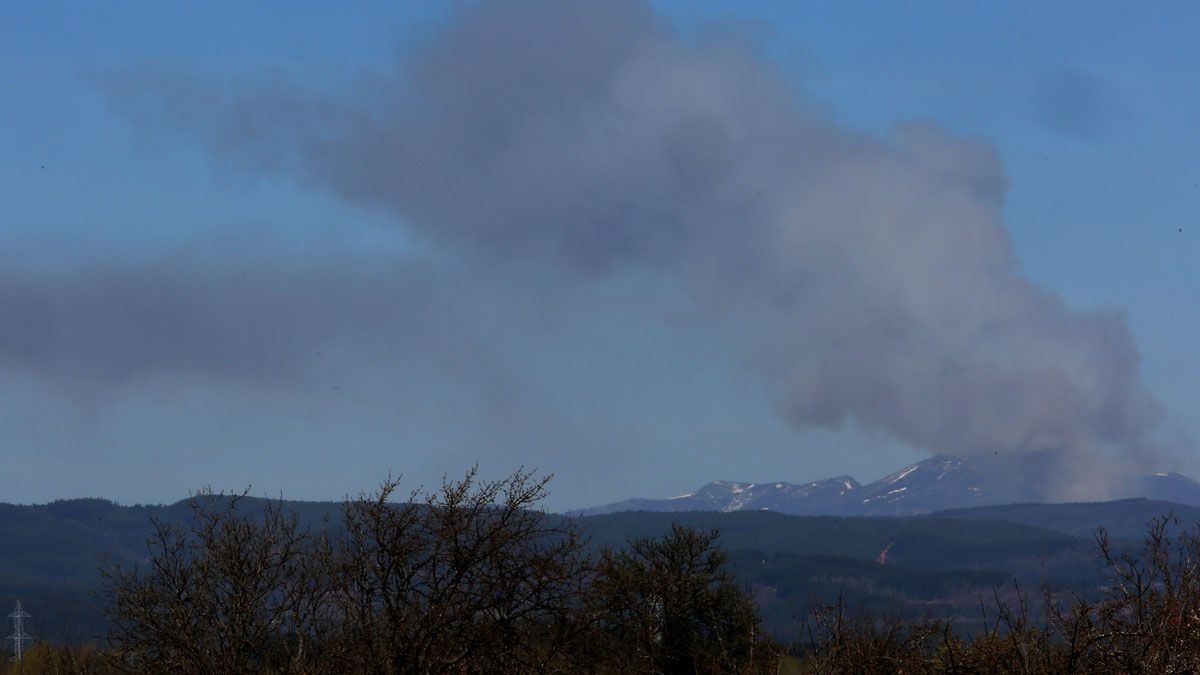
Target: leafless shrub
1146	620
833	640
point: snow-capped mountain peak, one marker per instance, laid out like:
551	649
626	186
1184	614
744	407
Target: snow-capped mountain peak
938	483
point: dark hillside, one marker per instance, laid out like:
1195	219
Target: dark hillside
1124	519
920	565
926	542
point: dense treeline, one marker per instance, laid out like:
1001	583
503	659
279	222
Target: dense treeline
473	578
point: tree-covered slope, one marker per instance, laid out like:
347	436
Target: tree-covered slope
938	565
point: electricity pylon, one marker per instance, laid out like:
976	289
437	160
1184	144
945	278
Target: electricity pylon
19	637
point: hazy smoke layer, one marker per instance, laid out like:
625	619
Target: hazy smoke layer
867	279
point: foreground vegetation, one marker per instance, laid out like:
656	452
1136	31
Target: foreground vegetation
470	578
473	578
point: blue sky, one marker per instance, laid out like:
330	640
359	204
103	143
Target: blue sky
1090	107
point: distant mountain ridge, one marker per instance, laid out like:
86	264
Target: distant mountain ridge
936	484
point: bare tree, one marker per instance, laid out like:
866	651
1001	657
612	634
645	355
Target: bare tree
670	605
229	592
469	578
835	640
1148	619
1144	618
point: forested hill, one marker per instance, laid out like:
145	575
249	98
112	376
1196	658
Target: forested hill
932	564
1123	519
52	554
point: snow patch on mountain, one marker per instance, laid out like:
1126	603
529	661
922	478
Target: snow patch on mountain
938	483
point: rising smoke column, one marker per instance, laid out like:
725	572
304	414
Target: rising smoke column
866	279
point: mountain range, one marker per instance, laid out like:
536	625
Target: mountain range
936	484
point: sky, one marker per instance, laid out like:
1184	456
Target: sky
640	246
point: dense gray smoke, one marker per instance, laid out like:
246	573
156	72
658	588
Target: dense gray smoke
866	279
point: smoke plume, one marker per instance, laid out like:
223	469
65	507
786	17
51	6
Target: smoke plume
865	279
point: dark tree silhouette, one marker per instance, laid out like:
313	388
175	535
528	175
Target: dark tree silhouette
670	605
470	578
232	591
